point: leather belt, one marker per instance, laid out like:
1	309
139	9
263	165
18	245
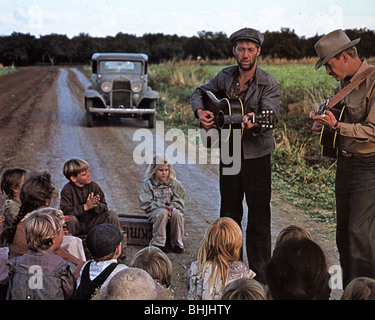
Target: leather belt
357	155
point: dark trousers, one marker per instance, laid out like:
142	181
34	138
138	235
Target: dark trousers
253	182
77	227
355	204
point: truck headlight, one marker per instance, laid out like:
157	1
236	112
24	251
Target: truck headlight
106	86
136	86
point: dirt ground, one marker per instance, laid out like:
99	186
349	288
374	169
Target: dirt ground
42	124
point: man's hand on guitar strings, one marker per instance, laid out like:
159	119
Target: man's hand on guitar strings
326	119
206	118
247	122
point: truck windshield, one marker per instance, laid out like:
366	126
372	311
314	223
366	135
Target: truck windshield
132	67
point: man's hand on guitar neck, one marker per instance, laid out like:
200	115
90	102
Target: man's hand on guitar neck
248	123
206	118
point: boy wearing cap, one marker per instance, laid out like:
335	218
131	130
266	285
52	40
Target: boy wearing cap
355	173
259	91
104	243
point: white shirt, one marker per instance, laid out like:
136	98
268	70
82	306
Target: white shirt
97	267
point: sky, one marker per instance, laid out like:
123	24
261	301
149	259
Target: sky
101	18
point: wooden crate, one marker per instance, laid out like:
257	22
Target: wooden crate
137	228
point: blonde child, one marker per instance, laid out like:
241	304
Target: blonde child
244	289
83	200
161	196
41	274
218	261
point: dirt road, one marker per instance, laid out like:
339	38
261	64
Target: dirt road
42	124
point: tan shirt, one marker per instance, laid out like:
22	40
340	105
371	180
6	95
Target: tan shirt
357	133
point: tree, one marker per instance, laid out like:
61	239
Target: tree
57	48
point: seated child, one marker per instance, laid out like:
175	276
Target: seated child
217	261
292	231
287	274
130	284
244	289
156	263
159	267
361	288
83	200
37	192
104	243
11	182
41	274
161	196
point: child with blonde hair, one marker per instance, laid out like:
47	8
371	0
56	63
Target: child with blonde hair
156	263
244	289
218	261
162	196
41	274
83	200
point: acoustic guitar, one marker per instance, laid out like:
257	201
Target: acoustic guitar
328	137
229	115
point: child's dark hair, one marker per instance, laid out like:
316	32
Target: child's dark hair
10	180
35	192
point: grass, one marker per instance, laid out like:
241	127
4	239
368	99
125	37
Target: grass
6	70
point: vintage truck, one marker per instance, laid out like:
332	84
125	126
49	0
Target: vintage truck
119	88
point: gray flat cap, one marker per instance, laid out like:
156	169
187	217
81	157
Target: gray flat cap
248	34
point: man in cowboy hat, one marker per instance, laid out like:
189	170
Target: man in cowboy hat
259	91
355	174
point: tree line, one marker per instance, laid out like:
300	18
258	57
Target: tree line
24	49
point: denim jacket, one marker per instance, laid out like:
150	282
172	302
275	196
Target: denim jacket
40	276
263	94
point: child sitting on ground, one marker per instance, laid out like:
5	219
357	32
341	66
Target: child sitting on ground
83	200
298	270
218	261
158	265
130	284
41	274
37	192
11	182
104	243
244	289
292	231
161	196
362	288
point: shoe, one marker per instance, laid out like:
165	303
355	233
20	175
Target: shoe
165	249
177	249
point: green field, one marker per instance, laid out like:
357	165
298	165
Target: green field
299	172
7	70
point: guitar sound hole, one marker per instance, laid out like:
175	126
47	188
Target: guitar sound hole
220	119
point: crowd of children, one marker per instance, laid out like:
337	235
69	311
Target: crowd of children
42	255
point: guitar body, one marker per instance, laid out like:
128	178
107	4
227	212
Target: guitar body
221	107
329	137
228	116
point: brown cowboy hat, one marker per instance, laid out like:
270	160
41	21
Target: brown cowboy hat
332	44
